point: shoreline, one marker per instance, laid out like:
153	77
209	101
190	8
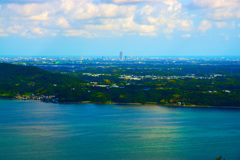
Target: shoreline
136	104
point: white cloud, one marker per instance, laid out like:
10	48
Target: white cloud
239	35
30	9
186	35
167	17
69	6
223	13
40	17
171	24
27	1
136	1
129	25
81	33
238	25
205	25
217	3
186	25
89	10
169	37
90	18
147	10
148	34
15	29
219	9
221	24
171	4
84	15
167	30
2	34
225	25
38	31
24	32
11	30
123	25
62	22
106	27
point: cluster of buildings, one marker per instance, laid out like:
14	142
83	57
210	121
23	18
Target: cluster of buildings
95	84
125	58
154	77
214	91
120	59
95	75
44	98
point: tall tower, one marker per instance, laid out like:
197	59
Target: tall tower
121	55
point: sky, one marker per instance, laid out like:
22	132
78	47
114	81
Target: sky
106	27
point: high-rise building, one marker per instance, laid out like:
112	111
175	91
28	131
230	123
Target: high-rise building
121	55
130	57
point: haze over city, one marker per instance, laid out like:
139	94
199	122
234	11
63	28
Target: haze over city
105	27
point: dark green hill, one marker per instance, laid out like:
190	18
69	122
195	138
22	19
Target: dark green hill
16	79
18	73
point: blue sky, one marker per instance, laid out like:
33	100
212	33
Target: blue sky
106	27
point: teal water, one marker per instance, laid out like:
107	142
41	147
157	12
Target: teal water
41	131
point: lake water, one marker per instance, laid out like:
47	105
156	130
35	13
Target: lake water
35	130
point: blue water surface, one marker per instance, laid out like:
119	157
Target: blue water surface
45	131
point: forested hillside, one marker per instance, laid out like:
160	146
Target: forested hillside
17	79
27	80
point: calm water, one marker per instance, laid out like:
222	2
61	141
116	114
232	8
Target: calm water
35	130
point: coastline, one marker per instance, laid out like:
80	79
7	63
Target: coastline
136	104
7	98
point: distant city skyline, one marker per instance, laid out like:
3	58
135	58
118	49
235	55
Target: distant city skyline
105	27
121	55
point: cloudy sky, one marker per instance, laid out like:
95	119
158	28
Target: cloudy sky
106	27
